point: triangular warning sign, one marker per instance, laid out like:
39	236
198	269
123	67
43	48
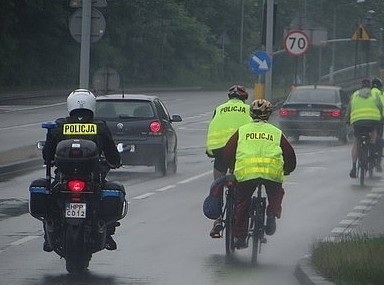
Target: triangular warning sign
360	34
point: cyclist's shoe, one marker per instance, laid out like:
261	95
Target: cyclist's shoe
270	228
352	173
110	244
240	243
47	247
216	230
379	168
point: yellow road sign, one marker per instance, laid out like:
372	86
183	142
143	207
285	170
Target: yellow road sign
361	34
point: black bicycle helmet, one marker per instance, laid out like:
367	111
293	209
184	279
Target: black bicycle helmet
238	91
376	82
261	109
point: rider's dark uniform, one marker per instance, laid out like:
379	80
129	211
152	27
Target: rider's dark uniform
100	134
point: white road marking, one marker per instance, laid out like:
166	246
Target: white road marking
23	240
354	218
146	195
166	188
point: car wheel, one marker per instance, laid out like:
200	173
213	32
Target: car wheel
172	166
161	166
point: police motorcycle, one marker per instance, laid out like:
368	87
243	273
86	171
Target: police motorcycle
76	204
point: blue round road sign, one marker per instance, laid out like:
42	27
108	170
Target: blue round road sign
260	62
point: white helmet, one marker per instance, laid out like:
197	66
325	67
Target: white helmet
81	99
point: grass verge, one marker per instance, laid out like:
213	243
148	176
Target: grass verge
356	260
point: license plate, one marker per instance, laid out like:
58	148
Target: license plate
309	114
75	210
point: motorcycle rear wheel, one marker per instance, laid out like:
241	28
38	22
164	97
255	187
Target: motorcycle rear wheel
76	256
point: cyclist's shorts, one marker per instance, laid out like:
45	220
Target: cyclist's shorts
219	163
364	126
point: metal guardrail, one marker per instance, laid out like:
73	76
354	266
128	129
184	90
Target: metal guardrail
349	78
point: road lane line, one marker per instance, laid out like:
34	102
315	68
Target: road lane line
23	240
166	188
194	177
146	195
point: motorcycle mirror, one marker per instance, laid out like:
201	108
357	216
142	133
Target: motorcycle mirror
120	147
40	145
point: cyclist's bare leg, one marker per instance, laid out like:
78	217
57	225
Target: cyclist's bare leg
354	151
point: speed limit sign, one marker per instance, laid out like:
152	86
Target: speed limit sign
296	43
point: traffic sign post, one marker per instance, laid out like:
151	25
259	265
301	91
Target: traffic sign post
296	43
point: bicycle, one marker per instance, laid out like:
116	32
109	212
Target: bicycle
257	213
366	158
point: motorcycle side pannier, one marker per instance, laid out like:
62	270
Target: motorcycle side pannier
39	198
112	200
76	156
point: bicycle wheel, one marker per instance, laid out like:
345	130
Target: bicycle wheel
361	174
371	163
229	223
363	163
255	230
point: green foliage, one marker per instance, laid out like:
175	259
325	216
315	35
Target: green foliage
170	42
354	261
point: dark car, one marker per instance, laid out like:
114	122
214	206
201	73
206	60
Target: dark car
315	110
144	127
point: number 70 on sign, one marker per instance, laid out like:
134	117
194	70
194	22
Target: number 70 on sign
296	43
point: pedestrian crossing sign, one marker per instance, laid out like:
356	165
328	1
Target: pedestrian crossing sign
361	34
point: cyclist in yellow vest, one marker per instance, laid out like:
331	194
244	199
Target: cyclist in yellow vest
259	153
364	113
377	87
227	118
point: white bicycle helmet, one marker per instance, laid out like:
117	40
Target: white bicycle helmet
261	109
81	99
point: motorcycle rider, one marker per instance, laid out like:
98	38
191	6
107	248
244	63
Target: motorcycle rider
227	118
364	113
81	105
259	153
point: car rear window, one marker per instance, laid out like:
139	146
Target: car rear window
107	109
314	96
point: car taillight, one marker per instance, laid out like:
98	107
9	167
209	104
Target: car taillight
287	112
76	185
333	113
155	128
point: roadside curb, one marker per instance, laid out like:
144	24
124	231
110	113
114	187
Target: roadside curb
307	275
13	169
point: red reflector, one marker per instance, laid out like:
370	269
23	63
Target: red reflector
285	112
155	127
76	185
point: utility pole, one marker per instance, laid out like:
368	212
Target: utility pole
269	47
85	43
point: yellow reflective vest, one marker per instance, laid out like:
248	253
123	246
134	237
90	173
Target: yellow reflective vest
227	119
258	153
365	108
